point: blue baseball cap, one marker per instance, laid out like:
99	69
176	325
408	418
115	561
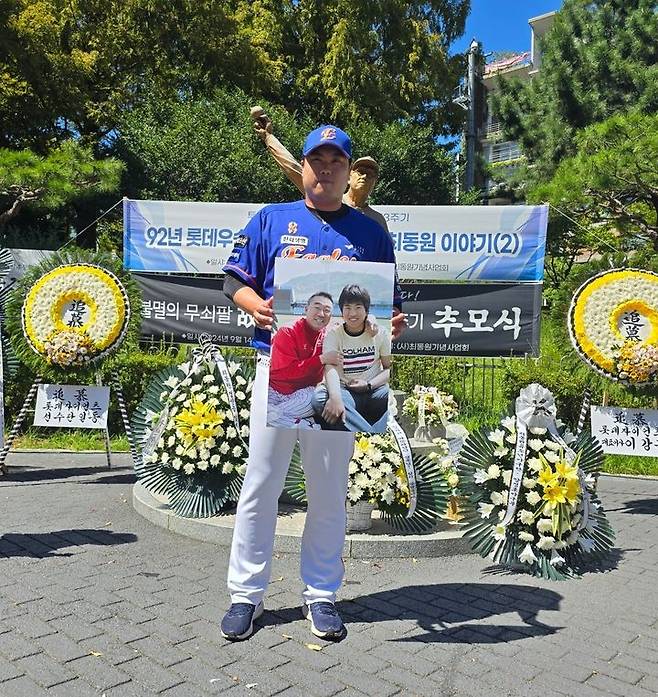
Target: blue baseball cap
328	135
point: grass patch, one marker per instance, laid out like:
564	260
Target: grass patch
631	464
68	439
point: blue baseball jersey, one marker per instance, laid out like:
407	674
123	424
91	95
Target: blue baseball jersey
290	230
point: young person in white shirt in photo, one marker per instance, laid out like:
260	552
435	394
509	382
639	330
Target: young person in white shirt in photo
354	396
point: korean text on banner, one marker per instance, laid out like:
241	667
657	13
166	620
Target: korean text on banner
458	243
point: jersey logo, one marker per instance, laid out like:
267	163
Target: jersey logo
240	241
292	227
294	239
328	134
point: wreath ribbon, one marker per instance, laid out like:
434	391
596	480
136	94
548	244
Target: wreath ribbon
408	462
535	408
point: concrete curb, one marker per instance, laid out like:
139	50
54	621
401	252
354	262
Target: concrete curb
380	543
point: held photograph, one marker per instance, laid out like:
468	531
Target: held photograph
331	348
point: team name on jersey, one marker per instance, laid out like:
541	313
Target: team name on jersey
295	251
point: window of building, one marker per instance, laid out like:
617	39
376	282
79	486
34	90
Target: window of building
500	152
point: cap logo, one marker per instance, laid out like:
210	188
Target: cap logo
328	134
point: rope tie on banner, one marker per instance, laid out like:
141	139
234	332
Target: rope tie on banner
210	353
408	462
584	411
535	408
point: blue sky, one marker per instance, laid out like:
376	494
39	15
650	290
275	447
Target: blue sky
502	25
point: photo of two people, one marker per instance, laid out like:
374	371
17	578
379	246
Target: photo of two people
331	350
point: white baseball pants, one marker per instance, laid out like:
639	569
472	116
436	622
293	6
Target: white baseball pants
325	459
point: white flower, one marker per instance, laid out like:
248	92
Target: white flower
213	389
526	536
526	517
388	495
214	460
240	395
453	480
529	483
241	469
244	413
501	452
534	463
171	440
545	525
171	381
361	480
227	468
244	431
204	454
551	456
551	445
189	467
164	458
181	398
480	476
223	448
177	463
499	532
485	509
546	542
201	396
527	556
497	437
239	380
208	378
354	493
509	422
533	498
237	451
195	388
535	444
537	431
497	498
507	477
231	432
511	438
556	559
353	467
202	465
179	450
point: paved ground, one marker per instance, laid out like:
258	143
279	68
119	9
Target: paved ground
94	600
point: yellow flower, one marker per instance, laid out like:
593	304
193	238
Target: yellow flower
566	471
546	477
554	494
199	421
363	444
573	490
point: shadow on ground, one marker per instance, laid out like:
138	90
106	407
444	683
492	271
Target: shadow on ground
445	611
43	545
41	474
642	506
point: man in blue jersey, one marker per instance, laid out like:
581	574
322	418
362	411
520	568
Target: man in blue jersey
319	226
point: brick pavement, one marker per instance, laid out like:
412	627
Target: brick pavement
95	600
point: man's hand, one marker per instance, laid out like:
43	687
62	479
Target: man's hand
263	126
334	410
263	314
398	323
357	385
332	358
371	326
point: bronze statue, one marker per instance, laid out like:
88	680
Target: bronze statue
363	175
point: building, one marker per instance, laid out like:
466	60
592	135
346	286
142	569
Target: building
495	152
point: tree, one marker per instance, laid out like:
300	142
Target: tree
67	173
75	67
72	67
382	59
600	57
205	149
612	181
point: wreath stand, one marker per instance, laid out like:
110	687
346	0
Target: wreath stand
30	398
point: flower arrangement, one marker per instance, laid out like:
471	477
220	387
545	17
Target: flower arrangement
446	461
613	323
376	472
548	521
195	447
637	363
440	407
72	312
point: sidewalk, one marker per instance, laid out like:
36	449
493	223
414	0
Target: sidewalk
95	600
